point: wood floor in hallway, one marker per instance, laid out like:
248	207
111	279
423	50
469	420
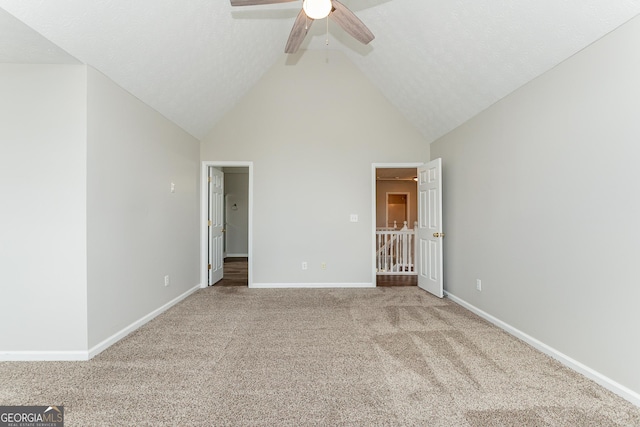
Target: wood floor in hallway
384	280
236	274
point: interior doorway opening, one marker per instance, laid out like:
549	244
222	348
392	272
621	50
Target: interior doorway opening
227	223
236	212
395	214
236	227
426	260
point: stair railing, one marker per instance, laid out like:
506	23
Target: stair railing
396	251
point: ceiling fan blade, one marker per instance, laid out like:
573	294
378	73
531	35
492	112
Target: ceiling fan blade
256	2
298	32
350	23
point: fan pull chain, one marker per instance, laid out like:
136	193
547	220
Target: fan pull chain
327	41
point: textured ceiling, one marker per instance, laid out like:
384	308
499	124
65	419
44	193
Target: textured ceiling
440	62
21	44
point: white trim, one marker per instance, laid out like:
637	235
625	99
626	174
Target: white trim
97	349
310	285
74	356
43	356
236	255
606	382
374	198
203	216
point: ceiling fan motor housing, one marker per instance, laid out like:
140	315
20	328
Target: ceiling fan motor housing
317	9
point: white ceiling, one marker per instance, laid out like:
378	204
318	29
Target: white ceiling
440	62
21	44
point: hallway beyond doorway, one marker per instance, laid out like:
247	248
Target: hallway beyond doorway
235	272
404	280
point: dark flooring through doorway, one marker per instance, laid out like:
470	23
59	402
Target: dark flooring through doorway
404	280
236	274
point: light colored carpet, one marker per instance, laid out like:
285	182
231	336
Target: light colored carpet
277	357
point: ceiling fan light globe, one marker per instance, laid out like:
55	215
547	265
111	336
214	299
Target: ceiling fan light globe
317	9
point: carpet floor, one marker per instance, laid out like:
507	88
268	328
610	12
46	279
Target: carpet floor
328	357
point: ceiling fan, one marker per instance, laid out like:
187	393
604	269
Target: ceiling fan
317	9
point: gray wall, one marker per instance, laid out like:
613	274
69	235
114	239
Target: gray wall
138	231
541	202
313	126
43	300
384	187
90	227
236	189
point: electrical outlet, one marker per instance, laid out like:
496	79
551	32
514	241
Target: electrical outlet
479	284
166	280
305	265
323	266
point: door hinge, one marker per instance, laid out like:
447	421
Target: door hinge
209	179
209	268
209	223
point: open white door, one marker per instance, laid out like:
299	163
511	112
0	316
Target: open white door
430	227
216	225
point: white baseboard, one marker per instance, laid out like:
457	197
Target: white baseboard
310	285
72	356
97	349
236	256
606	382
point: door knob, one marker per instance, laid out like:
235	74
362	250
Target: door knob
438	234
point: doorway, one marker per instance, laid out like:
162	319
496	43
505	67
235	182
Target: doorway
240	242
395	213
427	233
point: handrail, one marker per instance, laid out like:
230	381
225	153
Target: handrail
395	251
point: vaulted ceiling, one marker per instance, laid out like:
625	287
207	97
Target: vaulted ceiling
440	62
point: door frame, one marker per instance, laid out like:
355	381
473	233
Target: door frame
375	166
204	200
